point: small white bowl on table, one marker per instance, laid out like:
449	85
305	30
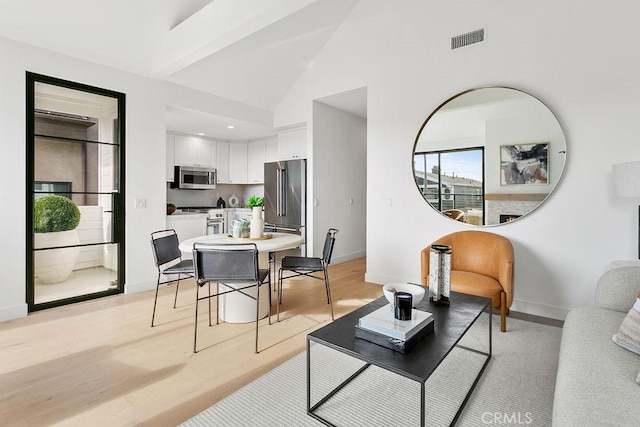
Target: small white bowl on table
416	290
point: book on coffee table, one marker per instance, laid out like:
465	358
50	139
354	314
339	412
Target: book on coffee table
402	346
384	322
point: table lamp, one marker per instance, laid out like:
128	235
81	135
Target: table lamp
626	183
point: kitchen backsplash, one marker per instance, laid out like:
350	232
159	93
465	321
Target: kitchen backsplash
182	198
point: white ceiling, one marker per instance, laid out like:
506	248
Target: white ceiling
250	51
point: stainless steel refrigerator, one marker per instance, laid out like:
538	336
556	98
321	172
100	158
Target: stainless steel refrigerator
285	199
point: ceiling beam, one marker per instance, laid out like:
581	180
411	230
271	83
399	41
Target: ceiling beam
219	24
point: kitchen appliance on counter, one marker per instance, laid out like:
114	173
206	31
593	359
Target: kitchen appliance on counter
216	218
194	178
285	199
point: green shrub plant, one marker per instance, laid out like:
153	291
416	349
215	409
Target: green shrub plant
55	213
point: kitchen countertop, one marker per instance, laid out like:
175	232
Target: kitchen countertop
185	215
179	213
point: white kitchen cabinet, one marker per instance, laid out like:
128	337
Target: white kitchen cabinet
188	226
270	150
255	161
238	162
170	156
222	162
292	144
194	151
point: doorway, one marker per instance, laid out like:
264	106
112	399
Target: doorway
75	176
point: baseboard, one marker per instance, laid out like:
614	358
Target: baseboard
348	257
15	312
535	319
539	309
139	287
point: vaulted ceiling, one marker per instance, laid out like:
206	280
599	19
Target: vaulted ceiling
250	51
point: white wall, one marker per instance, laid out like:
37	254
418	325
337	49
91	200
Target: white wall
339	146
145	141
568	54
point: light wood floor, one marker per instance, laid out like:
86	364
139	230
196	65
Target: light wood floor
100	362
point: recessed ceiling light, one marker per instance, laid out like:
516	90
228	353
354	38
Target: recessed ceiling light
201	134
230	127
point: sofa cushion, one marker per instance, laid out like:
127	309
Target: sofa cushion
617	288
595	383
628	335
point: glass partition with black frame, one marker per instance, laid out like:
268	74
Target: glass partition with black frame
515	143
75	176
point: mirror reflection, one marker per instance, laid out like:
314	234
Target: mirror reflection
489	156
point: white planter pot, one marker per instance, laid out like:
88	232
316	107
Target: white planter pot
257	212
257	223
55	265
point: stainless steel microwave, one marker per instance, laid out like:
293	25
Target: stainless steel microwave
194	178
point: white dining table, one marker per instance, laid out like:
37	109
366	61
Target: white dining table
235	307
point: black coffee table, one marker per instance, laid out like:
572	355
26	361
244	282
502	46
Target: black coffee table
450	325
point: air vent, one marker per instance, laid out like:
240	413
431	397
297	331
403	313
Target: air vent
467	39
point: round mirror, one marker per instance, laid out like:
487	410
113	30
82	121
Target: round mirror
489	156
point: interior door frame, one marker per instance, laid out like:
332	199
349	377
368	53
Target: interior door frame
118	235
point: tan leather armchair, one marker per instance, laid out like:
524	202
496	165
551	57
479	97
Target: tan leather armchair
481	264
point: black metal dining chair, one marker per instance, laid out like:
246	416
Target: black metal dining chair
233	265
168	259
295	266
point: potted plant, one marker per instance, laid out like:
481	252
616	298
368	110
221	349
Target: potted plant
255	201
171	208
55	219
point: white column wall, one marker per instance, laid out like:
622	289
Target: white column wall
568	54
339	145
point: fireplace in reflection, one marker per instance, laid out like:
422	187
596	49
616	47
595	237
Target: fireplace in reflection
508	217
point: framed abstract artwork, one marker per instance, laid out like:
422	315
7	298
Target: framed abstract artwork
524	164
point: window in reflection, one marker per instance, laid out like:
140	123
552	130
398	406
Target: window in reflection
453	181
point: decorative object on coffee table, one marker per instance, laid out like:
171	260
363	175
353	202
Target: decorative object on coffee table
382	327
403	301
440	274
417	291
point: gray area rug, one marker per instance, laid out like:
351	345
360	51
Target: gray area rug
516	387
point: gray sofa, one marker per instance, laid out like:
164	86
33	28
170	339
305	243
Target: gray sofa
596	381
